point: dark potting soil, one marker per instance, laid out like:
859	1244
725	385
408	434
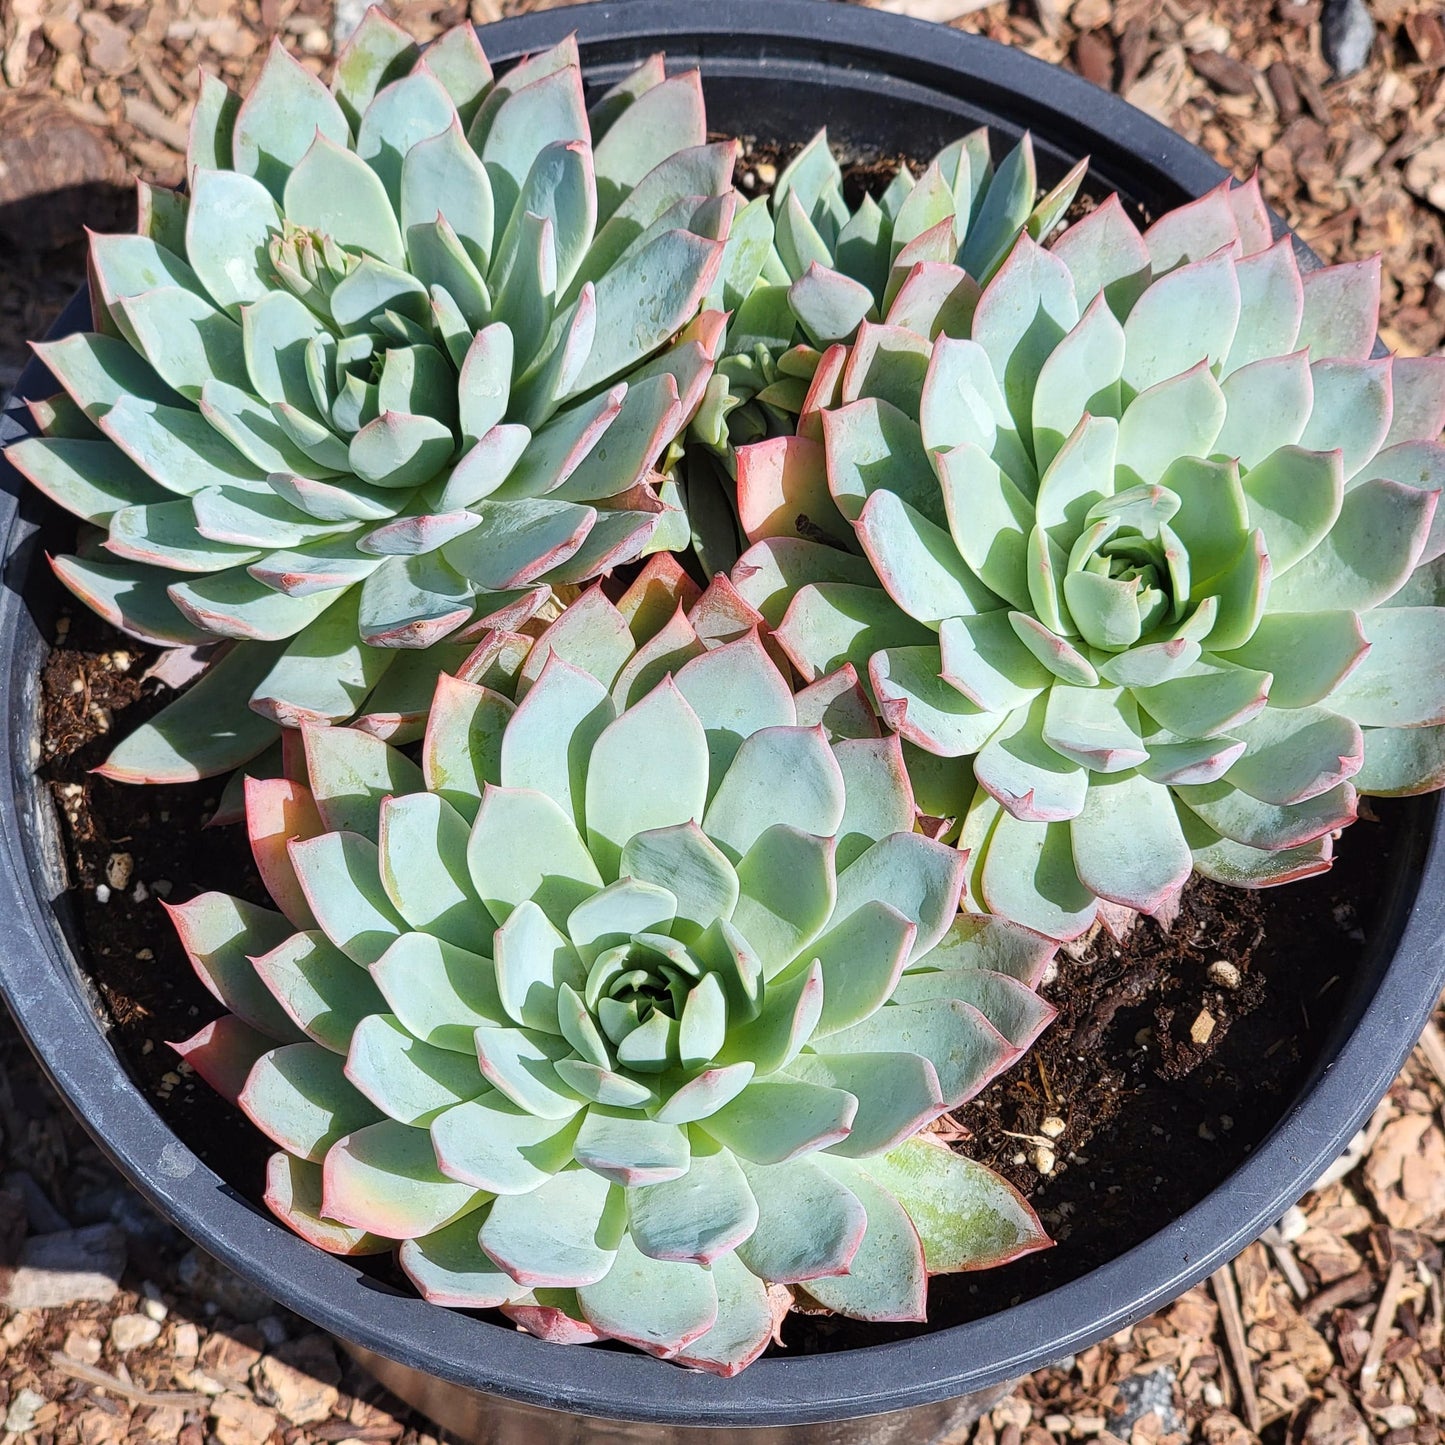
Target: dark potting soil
1163	1077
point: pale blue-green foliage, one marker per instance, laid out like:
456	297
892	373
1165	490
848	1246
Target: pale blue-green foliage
406	353
801	270
629	1002
1148	549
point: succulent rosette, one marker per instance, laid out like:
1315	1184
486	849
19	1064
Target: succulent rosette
1139	542
406	353
803	270
622	1011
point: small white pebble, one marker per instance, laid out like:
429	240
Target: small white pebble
102	893
139	893
1224	974
1292	1223
1206	1133
133	1332
120	661
1020	1158
153	1309
1226	1122
1042	1158
1213	1395
161	888
145	955
77	685
1052	1127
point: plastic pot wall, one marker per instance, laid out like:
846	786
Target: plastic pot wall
775	70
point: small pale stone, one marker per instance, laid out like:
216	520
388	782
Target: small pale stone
186	1342
1202	1029
1223	974
133	1332
164	1425
1042	1158
239	1420
153	1309
227	1360
19	1327
1347	34
1052	1127
296	1396
21	1415
64	1268
300	1380
85	1348
99	1427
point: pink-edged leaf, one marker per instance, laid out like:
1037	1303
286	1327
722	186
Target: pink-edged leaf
223	1053
1251	215
1341	310
221	935
1193	231
824	392
278	810
783	492
293	1195
553	1315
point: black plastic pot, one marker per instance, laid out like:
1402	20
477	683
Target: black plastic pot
777	70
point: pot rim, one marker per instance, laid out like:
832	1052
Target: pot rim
53	1008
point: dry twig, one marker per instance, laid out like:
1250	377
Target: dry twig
1384	1323
1227	1296
98	1379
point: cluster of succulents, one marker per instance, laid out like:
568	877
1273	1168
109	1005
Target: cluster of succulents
622	1008
1143	553
801	269
630	938
406	355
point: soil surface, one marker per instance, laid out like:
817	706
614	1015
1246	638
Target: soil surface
1162	1074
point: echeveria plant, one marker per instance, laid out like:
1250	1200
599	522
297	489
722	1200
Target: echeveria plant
405	353
802	269
1137	538
622	1011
